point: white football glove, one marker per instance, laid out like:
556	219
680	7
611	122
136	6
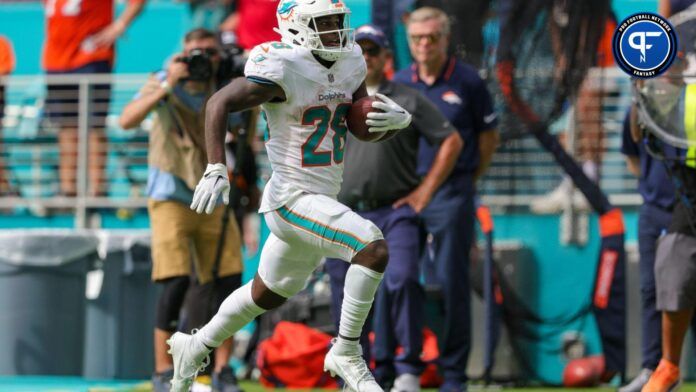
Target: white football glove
392	116
209	188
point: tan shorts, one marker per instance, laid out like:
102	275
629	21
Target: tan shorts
182	238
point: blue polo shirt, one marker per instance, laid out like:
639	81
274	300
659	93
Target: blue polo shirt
654	184
462	96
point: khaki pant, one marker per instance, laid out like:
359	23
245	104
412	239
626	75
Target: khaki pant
181	238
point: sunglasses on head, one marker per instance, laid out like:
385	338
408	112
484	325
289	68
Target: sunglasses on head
429	38
371	51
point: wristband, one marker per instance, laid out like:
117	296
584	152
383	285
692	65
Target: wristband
166	86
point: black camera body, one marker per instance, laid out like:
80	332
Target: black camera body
200	67
232	63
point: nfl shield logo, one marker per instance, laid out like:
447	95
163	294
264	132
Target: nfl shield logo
331	78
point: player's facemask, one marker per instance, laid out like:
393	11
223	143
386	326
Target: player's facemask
296	25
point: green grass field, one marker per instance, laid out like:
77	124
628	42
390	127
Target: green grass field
690	387
76	384
249	386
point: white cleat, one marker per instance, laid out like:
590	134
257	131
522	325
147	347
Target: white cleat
190	357
406	383
348	363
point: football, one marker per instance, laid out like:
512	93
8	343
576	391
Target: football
583	372
357	117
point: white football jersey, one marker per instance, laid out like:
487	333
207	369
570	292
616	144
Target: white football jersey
306	133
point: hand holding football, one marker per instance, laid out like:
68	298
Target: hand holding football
358	115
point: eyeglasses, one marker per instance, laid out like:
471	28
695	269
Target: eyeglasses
372	51
429	38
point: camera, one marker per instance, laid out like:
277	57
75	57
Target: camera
232	62
200	66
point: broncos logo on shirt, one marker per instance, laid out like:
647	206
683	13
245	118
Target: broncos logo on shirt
452	98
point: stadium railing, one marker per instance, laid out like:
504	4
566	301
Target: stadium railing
31	154
29	151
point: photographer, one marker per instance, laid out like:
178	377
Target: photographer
180	237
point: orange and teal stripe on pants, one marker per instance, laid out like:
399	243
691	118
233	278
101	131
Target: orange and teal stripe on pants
323	231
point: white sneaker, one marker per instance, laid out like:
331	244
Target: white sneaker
406	383
580	202
638	383
554	201
558	199
190	356
347	362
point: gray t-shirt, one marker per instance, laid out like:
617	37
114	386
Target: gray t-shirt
385	171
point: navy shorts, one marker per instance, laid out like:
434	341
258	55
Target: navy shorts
62	101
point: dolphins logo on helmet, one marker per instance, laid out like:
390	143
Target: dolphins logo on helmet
297	21
285	8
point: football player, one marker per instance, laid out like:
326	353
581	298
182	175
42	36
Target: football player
305	85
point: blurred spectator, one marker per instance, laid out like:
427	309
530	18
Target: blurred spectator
253	22
380	183
675	277
177	159
675	256
7	64
80	38
657	191
467	18
387	13
587	124
460	94
389	16
209	14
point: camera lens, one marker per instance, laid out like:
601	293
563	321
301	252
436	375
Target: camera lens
199	65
